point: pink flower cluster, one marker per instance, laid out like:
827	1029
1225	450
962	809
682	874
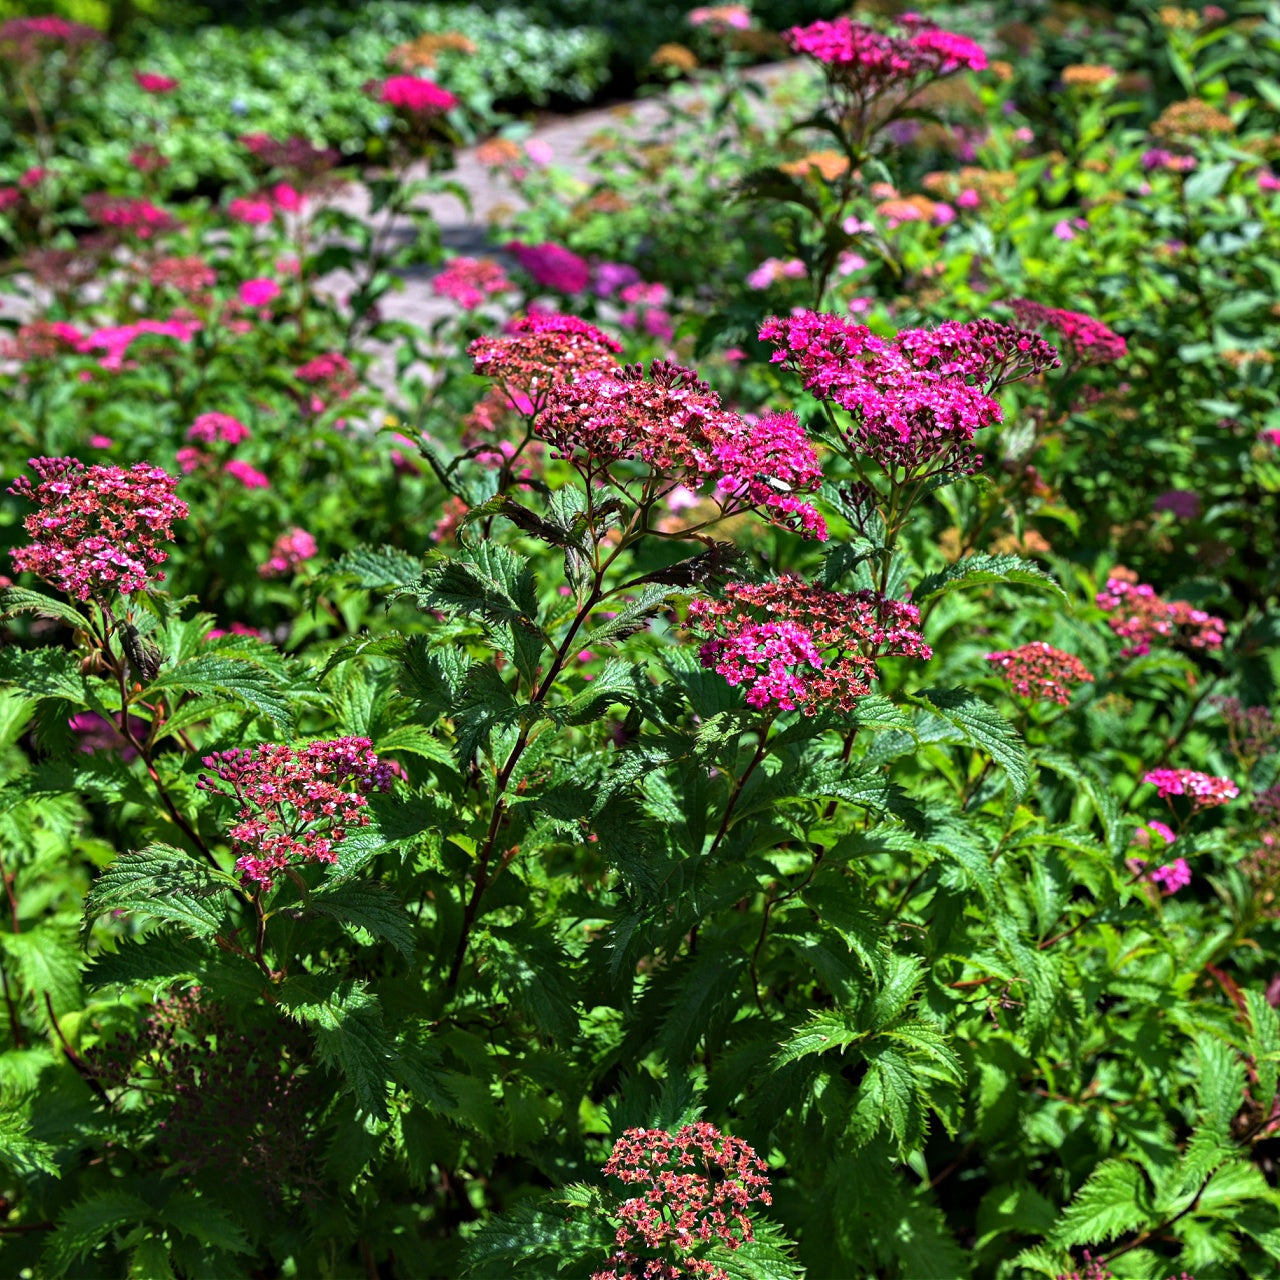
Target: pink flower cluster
153	82
189	275
470	281
1086	340
217	428
798	646
330	375
1141	616
720	17
911	403
289	551
22	39
129	213
992	353
258	293
695	1187
552	266
870	63
42	340
295	806
1176	875
541	350
1038	670
99	530
1205	790
414	95
674	423
117	340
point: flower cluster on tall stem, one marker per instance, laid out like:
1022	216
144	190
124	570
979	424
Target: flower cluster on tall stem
674	425
294	805
99	531
1038	670
694	1188
874	75
1204	790
796	646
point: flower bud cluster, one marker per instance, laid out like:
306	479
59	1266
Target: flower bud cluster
1141	616
1038	670
695	1187
295	805
99	530
797	646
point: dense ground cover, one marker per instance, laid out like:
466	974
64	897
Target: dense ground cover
748	752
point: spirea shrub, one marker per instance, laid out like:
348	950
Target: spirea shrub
742	747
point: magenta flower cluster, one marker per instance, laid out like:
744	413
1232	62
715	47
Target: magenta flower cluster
694	1188
413	95
1205	790
673	422
98	530
1086	340
471	281
294	805
290	550
915	401
794	645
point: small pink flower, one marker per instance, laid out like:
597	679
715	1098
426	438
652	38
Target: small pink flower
258	293
32	178
247	475
152	82
191	459
100	442
539	152
1171	878
290	550
253	211
1267	181
1183	503
414	95
1270	436
968	199
287	198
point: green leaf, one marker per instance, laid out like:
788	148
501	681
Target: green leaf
985	729
44	673
49	962
540	1239
165	883
1114	1200
204	1222
372	567
369	906
347	1024
240	678
19	1151
84	1226
821	1034
1264	1041
20	600
484	704
979	571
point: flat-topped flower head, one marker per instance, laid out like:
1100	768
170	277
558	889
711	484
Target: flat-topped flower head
693	1188
552	266
295	806
1086	340
29	39
414	95
1140	616
541	350
217	428
1205	790
823	349
794	645
290	550
986	351
1038	670
471	281
128	213
670	420
99	530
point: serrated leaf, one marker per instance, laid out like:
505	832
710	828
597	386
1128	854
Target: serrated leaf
977	571
984	728
204	1222
540	1235
49	961
370	568
824	1032
240	678
165	883
369	906
1115	1199
44	673
19	1151
85	1225
346	1022
19	600
484	703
